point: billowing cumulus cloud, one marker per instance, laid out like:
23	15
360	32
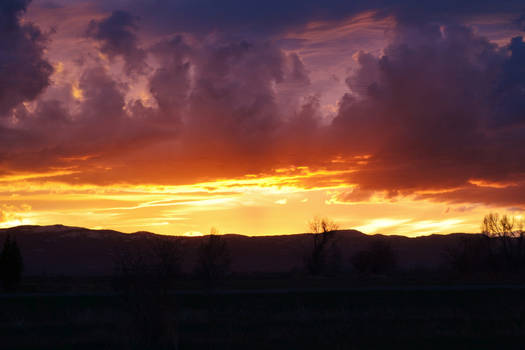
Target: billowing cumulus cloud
432	115
440	107
217	100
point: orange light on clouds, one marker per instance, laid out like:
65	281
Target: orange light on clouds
76	92
481	183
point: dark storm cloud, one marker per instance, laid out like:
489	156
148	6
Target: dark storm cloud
442	106
117	34
24	73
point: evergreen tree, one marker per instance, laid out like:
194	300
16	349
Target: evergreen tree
11	264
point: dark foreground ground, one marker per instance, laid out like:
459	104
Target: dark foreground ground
473	317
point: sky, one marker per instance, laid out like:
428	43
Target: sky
395	117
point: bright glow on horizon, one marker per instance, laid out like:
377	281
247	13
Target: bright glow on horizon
252	205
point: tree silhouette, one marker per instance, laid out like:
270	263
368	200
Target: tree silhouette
11	264
214	260
509	232
324	249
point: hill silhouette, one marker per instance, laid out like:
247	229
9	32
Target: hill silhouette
64	250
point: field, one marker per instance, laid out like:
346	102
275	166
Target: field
483	317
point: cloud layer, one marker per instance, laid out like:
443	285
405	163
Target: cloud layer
165	96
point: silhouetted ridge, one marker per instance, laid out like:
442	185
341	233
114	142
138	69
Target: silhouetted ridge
64	250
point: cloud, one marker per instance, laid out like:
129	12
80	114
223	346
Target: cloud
118	38
353	196
440	107
225	94
509	197
217	100
24	73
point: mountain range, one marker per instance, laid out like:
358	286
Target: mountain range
64	250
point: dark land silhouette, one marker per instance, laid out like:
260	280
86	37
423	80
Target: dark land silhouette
341	289
75	251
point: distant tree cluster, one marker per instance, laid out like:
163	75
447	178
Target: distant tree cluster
11	264
500	247
324	256
507	234
159	267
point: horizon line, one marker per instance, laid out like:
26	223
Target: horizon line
239	234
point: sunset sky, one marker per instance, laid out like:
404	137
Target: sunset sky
173	116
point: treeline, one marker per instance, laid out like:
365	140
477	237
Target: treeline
499	249
158	265
161	263
497	252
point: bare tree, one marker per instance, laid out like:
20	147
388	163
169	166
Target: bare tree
213	262
323	244
509	233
